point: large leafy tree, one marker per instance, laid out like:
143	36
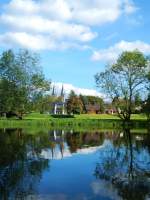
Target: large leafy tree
123	80
20	77
12	83
146	106
39	99
74	104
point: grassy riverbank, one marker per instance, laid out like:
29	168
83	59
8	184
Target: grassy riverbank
79	121
38	116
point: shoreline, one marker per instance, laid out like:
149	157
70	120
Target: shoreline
73	123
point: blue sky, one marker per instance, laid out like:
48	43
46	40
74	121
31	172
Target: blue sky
75	38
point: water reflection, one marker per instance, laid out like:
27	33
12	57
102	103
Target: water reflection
59	164
64	144
125	164
20	164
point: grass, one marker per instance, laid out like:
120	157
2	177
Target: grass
108	116
38	116
83	121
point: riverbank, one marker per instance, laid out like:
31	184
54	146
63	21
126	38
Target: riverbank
78	122
37	116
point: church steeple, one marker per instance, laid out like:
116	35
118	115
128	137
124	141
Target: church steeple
53	91
59	102
62	94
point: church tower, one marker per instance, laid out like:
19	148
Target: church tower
62	94
53	91
59	103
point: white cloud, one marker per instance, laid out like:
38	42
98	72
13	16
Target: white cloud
54	9
25	40
77	90
111	53
96	13
54	29
52	23
36	42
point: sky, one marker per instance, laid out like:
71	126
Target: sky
75	38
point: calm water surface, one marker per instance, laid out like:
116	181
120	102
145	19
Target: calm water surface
69	165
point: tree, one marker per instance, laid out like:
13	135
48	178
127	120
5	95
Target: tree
84	102
146	106
42	103
137	103
12	83
137	100
123	80
92	100
39	86
20	78
74	104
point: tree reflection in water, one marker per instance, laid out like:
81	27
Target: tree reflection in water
24	157
126	164
124	161
20	164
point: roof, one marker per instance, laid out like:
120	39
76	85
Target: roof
95	107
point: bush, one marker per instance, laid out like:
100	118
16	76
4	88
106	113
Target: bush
63	116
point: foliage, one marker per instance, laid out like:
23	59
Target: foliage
78	104
137	100
20	80
146	108
137	104
74	104
123	80
92	100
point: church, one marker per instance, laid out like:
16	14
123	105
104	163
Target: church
58	106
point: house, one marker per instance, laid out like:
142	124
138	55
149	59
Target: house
92	109
110	109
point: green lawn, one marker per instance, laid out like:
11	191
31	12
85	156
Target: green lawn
83	121
38	116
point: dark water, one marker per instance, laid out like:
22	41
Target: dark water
69	165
